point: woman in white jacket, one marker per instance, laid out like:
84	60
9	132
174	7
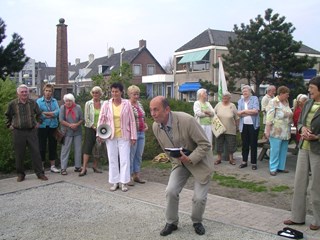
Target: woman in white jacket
203	112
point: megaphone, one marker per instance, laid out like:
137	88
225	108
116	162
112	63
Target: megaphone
104	131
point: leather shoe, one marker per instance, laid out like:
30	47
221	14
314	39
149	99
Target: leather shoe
76	169
43	177
273	173
168	229
139	180
20	178
243	165
289	222
199	228
314	227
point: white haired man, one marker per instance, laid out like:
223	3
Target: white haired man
23	118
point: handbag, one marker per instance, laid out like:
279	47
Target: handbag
59	135
217	127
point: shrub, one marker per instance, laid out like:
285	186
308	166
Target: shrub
7	93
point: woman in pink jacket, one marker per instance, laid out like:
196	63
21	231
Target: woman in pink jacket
118	114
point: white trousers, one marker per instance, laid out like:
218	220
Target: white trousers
208	131
119	160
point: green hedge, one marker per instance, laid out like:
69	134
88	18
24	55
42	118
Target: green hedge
152	148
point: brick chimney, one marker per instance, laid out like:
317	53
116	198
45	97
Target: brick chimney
142	43
62	84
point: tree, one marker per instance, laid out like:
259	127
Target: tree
122	75
264	51
169	66
211	88
99	80
12	57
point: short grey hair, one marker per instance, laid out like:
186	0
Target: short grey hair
226	94
270	87
22	86
201	90
246	87
68	96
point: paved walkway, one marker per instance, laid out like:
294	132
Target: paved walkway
250	220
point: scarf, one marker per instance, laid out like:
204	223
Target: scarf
71	111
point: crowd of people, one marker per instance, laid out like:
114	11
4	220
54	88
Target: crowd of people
34	124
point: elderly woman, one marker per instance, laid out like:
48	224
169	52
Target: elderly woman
297	108
136	150
278	130
71	118
203	112
118	114
248	111
308	160
49	115
227	113
91	116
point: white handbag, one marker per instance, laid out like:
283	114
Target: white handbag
217	127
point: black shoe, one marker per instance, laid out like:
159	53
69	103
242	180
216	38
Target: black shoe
78	169
254	167
199	228
243	165
168	229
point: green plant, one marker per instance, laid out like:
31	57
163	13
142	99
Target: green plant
7	93
280	188
233	182
150	164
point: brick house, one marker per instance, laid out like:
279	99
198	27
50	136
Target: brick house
141	60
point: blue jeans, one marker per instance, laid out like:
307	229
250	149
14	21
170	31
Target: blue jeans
136	152
278	154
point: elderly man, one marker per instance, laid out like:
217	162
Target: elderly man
23	118
176	130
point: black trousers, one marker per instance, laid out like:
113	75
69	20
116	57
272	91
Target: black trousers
249	137
46	136
22	139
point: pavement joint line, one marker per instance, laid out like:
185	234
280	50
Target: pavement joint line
32	187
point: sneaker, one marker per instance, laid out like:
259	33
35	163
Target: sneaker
54	169
124	187
114	187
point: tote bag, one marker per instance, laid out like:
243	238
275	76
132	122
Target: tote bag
217	126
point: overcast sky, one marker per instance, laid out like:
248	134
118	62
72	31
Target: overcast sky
166	25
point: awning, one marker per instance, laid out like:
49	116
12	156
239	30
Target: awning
194	56
189	87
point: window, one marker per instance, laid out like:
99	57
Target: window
192	96
137	70
157	89
168	92
151	69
